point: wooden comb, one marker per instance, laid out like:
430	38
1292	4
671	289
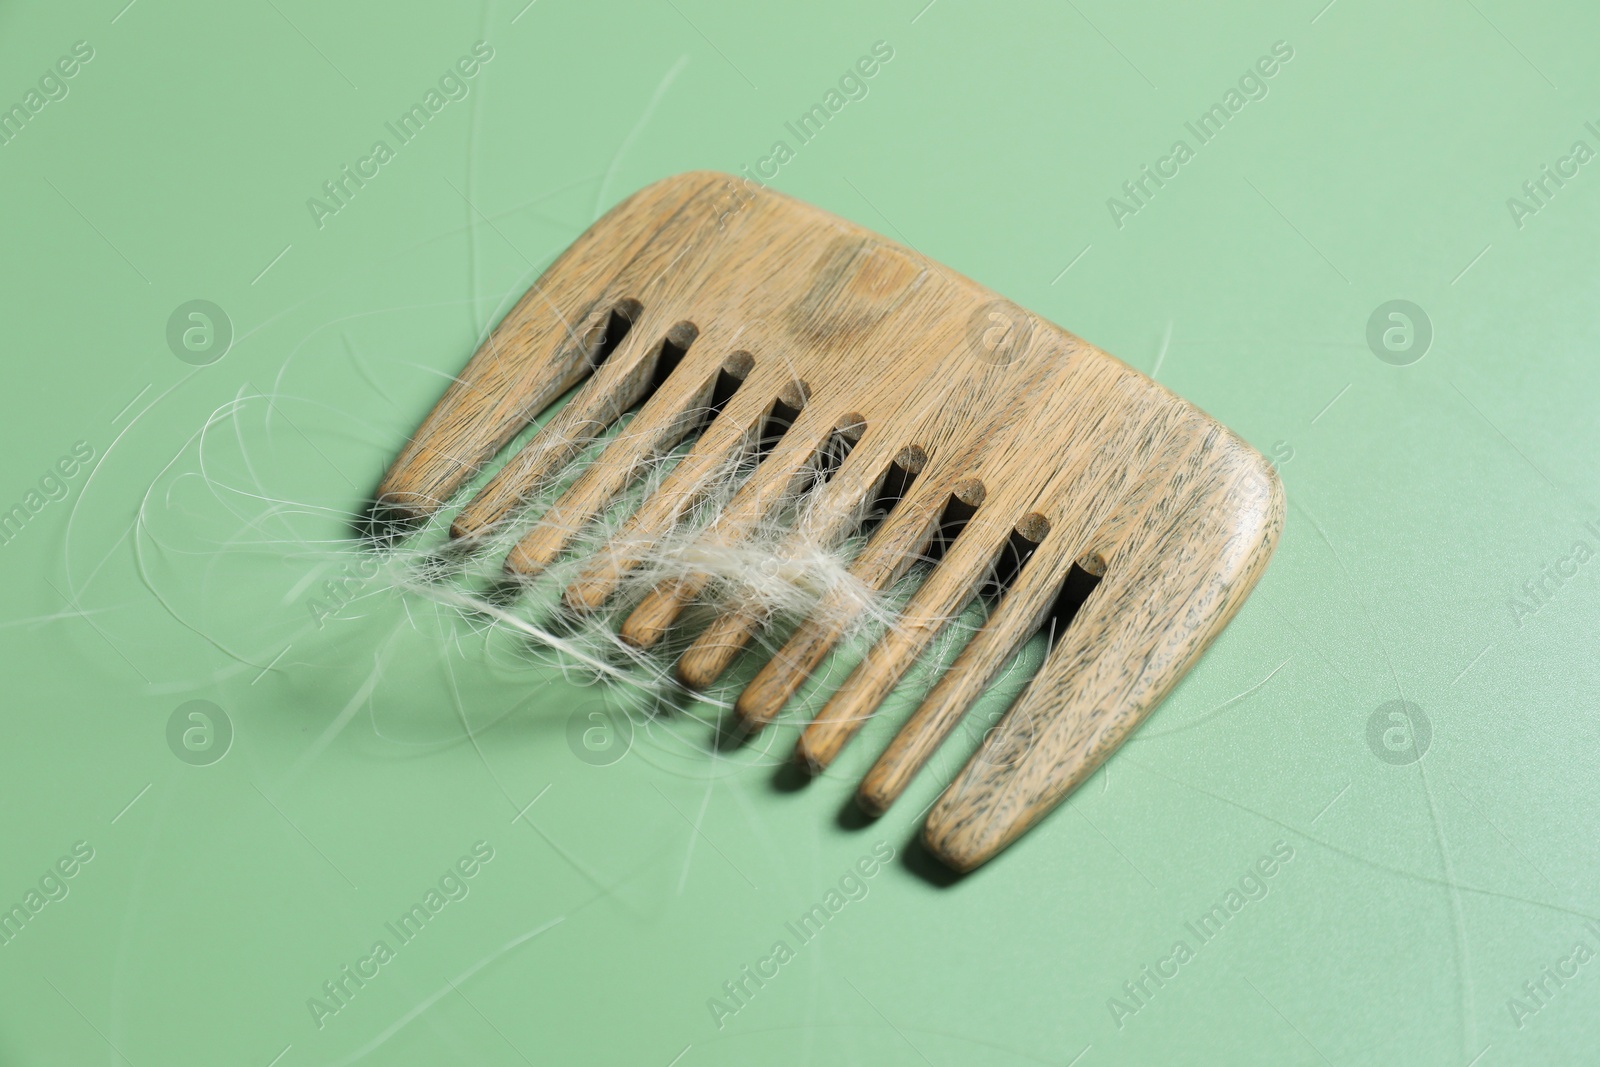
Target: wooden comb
1012	445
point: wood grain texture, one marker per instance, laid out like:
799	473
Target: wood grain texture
1022	428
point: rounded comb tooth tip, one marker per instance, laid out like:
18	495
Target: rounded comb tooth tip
585	598
780	679
390	516
716	647
783	675
961	852
531	555
748	708
808	760
872	801
465	532
820	743
648	622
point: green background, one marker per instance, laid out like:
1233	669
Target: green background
371	752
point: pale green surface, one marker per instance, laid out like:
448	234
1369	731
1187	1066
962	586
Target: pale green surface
1415	905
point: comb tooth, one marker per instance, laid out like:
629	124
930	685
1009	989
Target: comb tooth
647	622
1203	533
782	675
619	382
952	585
541	348
666	418
529	360
890	552
837	511
1098	520
704	661
1018	617
732	434
776	482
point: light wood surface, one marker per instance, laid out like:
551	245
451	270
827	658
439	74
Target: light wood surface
1033	433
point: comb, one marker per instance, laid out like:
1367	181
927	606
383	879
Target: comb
1029	467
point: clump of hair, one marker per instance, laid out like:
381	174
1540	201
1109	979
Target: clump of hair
773	572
